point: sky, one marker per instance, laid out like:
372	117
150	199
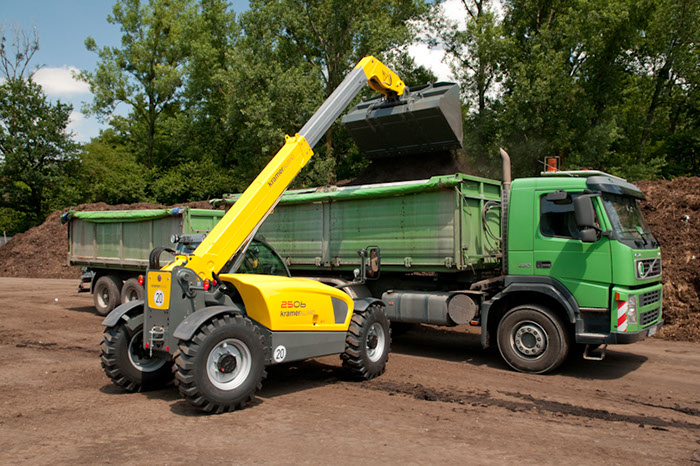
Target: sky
63	26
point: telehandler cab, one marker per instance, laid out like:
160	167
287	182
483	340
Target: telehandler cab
216	330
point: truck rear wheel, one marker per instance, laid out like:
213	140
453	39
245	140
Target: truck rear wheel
532	338
222	367
131	291
106	294
128	364
367	344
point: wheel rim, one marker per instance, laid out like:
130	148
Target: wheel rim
229	364
132	295
375	341
138	357
103	296
529	340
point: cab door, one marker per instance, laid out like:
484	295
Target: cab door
584	268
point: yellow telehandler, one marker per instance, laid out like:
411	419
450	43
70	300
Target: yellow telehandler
215	329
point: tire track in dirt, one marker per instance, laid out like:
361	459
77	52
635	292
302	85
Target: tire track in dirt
54	346
484	399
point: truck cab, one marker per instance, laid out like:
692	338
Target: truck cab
604	273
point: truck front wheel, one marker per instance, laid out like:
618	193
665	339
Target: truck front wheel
128	364
367	344
532	338
222	367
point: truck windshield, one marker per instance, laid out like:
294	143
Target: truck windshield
627	221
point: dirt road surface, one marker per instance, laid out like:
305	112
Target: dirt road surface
442	400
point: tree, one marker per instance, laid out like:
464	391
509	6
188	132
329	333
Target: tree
296	52
146	72
35	145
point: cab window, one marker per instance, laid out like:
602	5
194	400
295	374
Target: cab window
260	259
557	219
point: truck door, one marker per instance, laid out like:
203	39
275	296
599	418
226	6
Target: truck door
584	268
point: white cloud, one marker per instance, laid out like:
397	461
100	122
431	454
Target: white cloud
60	81
83	128
431	58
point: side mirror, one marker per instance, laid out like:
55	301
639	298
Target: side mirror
374	263
589	235
585	215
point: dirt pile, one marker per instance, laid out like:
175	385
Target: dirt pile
672	211
42	251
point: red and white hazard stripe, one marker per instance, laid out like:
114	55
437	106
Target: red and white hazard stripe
622	316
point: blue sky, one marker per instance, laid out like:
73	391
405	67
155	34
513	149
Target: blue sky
63	26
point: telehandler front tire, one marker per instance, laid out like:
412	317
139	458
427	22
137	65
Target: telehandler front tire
128	364
222	367
367	344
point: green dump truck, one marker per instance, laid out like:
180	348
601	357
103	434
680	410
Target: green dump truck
113	248
552	263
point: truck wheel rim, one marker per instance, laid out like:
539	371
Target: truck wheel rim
375	342
138	357
529	340
103	296
132	295
224	350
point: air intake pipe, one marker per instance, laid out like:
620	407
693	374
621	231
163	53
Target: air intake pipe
505	198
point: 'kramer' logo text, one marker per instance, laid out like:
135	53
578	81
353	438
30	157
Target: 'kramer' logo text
297	309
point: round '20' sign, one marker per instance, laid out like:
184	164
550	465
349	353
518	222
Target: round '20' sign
158	298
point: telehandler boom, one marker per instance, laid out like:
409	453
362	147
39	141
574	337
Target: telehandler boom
220	329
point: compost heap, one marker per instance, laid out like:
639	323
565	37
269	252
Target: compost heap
672	211
42	251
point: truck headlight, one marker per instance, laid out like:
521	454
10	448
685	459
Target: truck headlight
632	310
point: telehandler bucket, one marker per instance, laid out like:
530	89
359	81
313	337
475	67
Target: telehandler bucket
424	119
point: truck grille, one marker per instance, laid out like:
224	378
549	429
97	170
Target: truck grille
650	316
647	268
649	298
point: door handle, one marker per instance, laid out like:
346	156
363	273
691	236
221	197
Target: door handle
543	264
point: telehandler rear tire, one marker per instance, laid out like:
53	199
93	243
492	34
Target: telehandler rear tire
127	364
367	344
222	367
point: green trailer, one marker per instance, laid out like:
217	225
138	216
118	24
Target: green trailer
446	224
113	246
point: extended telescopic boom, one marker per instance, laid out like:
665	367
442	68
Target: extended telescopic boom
231	236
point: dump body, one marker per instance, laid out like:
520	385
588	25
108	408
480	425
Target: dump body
433	225
122	240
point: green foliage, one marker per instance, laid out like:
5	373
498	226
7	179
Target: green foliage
110	173
146	72
35	149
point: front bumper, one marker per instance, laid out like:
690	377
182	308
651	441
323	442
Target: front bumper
619	338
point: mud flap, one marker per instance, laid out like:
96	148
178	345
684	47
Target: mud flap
424	119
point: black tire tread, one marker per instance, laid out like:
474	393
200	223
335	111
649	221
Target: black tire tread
109	360
183	368
354	361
